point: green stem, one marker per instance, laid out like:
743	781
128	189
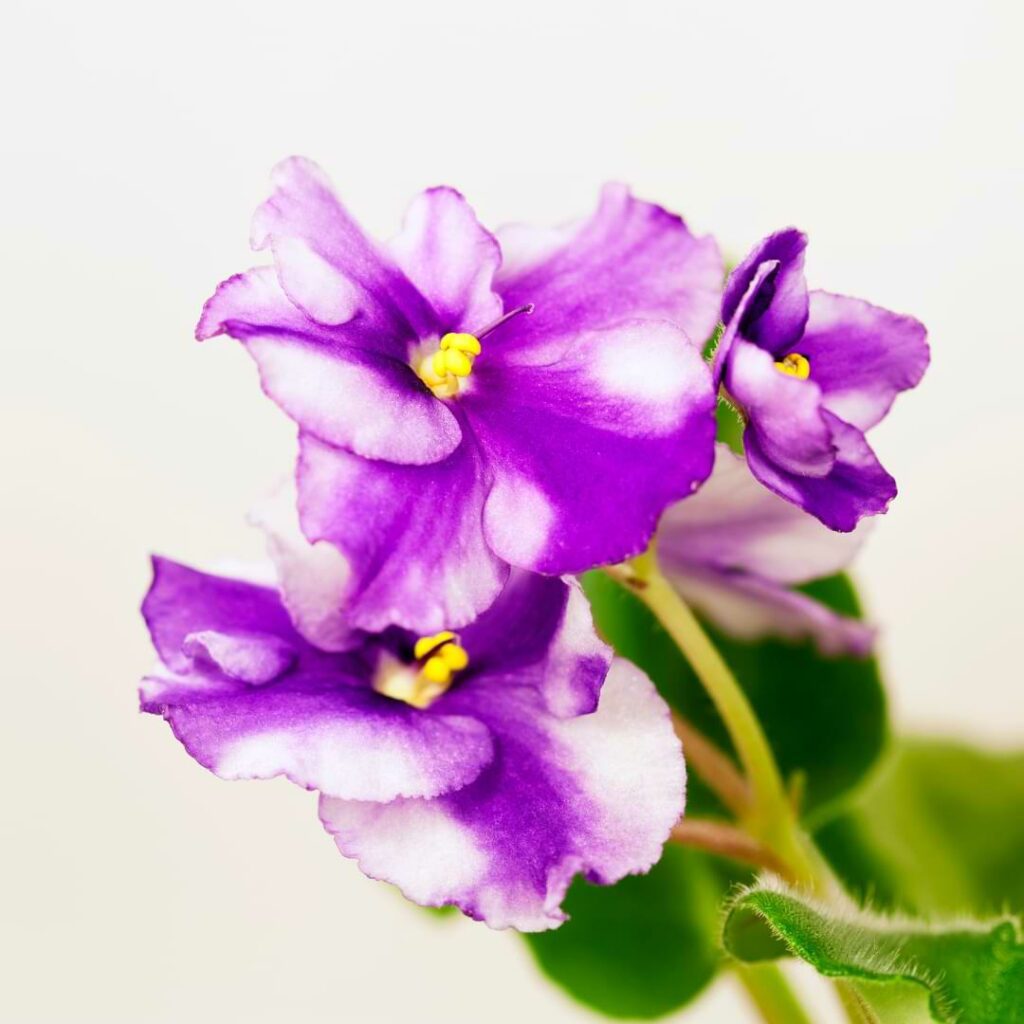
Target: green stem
856	1010
771	818
751	746
772	994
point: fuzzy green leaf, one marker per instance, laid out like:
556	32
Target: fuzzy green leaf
963	972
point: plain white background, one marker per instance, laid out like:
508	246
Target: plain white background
135	140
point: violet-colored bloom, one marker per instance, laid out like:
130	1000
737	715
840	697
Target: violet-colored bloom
441	444
483	769
811	371
735	550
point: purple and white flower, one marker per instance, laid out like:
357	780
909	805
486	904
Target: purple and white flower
470	402
735	550
483	769
811	372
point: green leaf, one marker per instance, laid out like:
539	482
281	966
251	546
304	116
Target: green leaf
824	717
964	972
729	426
643	947
939	830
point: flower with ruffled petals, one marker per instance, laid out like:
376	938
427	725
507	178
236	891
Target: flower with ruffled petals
735	550
468	402
810	372
483	768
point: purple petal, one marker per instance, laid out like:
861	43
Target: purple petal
587	451
541	629
341	383
731	331
450	258
328	266
785	413
413	535
751	607
595	794
248	698
313	579
856	486
630	259
733	549
775	319
253	658
330	734
735	525
182	602
861	356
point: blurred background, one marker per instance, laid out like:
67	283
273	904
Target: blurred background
136	140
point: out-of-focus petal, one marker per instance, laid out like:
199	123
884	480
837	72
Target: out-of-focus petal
451	258
587	451
413	535
751	607
735	524
313	579
630	259
861	356
596	794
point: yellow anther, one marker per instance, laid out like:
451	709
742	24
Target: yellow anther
439	364
440	657
437	670
454	656
794	365
462	343
456	362
426	644
441	370
437	659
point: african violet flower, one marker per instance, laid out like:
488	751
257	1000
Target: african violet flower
811	372
468	402
483	769
735	550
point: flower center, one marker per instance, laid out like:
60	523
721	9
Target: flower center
444	371
794	365
438	659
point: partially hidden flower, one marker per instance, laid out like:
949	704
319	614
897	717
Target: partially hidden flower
470	402
735	551
810	372
483	768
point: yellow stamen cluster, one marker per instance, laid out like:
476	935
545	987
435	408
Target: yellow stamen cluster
441	657
438	658
794	365
442	370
